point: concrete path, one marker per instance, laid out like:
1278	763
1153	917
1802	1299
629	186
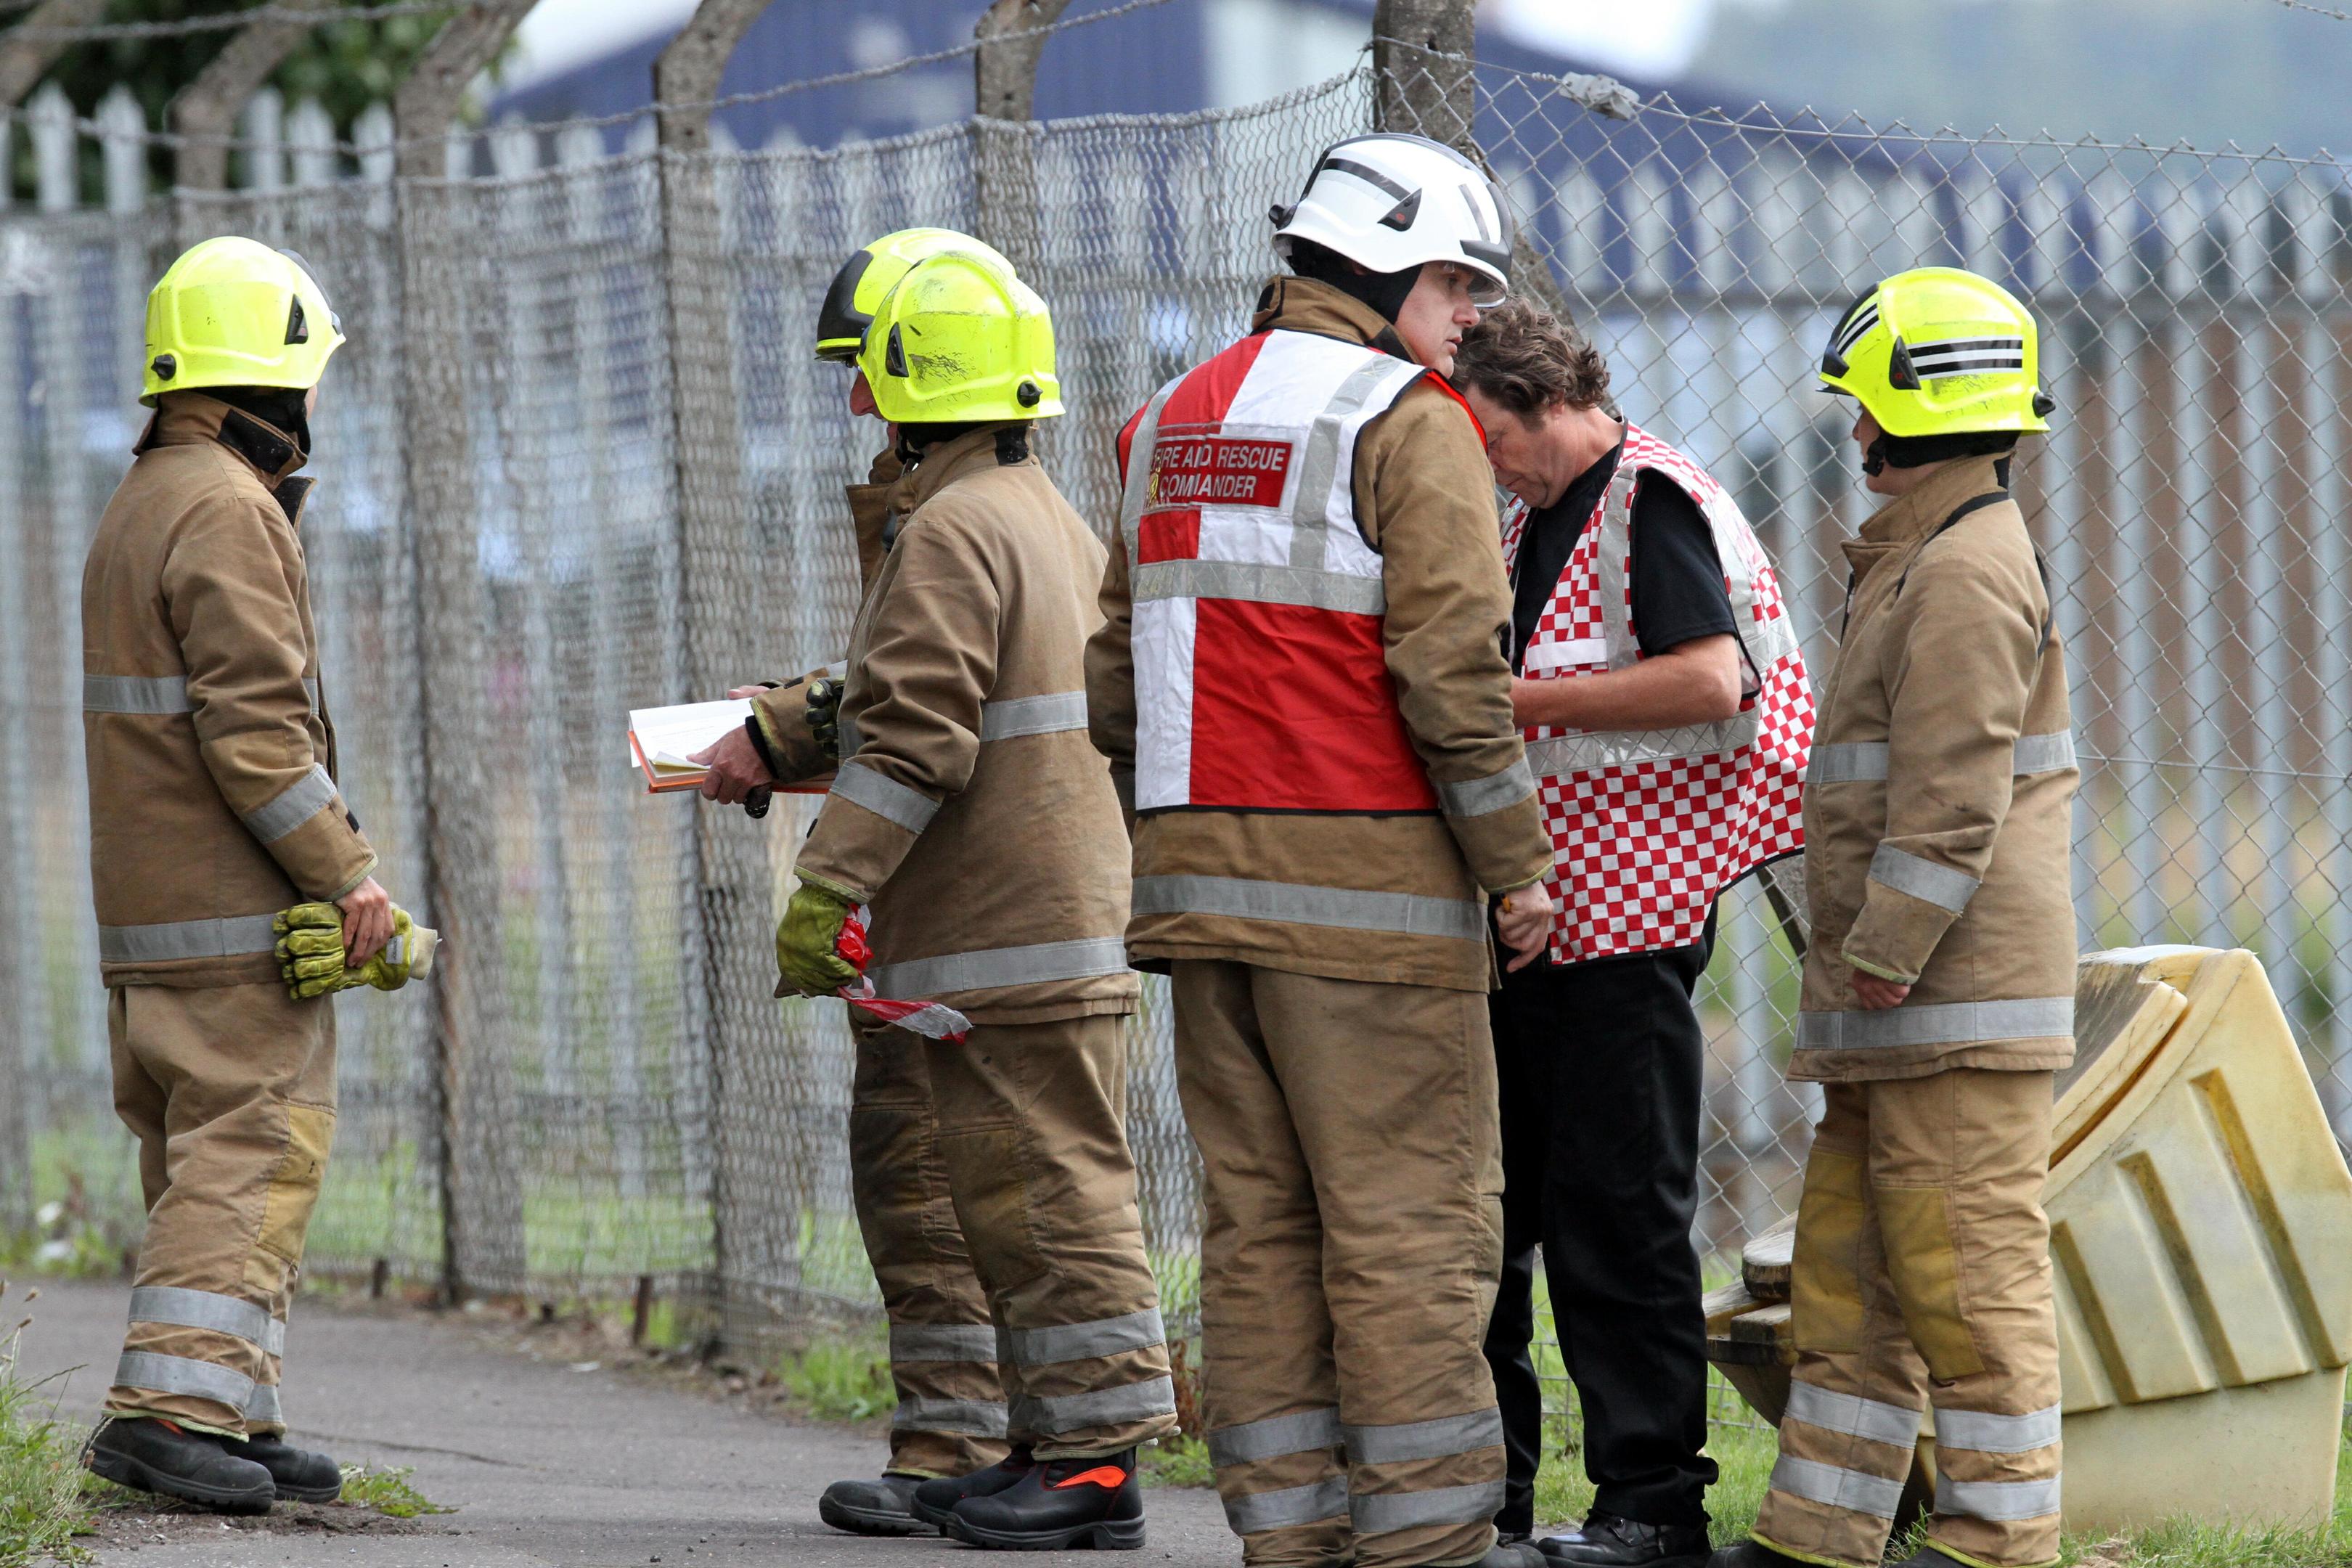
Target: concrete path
546	1465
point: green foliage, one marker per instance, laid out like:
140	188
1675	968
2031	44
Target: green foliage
41	1506
388	1492
1178	1461
840	1379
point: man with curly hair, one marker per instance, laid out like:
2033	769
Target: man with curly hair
1666	714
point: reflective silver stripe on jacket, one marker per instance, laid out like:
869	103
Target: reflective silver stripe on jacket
1083	1341
886	798
1937	1024
1424	1439
202	1310
1097	1407
943	1341
178	1375
135	694
1851	1416
1478	797
1018	716
965	1417
1259	583
1319	464
152	694
1981	1432
230	938
1922	878
1997	1499
1834	1486
1864	762
263	1409
295	804
1375	1513
1301	1433
1557	755
1293	903
993	966
1291	1506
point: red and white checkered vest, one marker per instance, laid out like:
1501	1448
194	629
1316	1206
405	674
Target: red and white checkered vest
1261	679
1648	828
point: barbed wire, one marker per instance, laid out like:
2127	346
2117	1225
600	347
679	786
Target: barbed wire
224	22
2315	10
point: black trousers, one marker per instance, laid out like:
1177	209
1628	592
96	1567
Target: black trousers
1601	1071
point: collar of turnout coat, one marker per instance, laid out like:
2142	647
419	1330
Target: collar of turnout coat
945	463
190	419
1308	305
1910	518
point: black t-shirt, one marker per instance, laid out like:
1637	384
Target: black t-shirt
1678	589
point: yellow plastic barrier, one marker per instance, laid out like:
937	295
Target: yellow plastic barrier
2201	1227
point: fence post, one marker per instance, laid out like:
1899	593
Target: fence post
726	983
1004	94
33	45
206	112
481	1192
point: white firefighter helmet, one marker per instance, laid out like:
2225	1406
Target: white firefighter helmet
1389	202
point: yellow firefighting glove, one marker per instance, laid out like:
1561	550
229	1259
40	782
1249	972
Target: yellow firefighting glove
807	938
312	958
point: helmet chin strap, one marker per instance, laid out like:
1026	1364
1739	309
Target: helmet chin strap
1874	456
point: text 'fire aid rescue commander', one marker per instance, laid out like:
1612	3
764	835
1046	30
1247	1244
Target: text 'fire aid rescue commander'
1301	679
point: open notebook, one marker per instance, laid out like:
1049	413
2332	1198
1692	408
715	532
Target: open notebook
661	738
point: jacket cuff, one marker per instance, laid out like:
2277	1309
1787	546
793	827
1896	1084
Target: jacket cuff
869	823
323	855
790	752
1894	935
1508	847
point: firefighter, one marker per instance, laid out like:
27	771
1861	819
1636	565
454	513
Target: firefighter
1301	684
975	822
235	889
950	1419
1938	990
1668	717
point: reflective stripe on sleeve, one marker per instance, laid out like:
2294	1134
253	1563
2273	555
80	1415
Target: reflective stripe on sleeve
993	966
202	1310
1375	1513
1848	762
1083	1341
1018	716
1258	583
1290	1507
886	798
1098	1407
1834	1486
2046	754
1937	1024
1851	1416
2002	1500
135	694
178	1375
295	804
1301	1433
964	1417
943	1341
1982	1431
1292	903
1923	880
230	938
1447	1435
1478	797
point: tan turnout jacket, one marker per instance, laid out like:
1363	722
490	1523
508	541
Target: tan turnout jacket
1939	800
1425	498
213	802
971	812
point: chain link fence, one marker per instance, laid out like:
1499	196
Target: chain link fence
600	1097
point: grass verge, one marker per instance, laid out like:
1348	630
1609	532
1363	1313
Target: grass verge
388	1492
41	1503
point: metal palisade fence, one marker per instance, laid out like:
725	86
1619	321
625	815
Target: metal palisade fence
602	1090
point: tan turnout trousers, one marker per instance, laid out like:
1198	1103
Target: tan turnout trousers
231	1092
951	1417
1032	1152
1922	1278
1351	1146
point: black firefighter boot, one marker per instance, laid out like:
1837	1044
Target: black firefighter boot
881	1507
1754	1554
150	1455
1059	1504
1610	1541
301	1476
934	1500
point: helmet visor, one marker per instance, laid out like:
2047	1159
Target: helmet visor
840	324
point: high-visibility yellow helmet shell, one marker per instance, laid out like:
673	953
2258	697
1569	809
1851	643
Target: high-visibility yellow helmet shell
960	339
235	313
866	278
1939	352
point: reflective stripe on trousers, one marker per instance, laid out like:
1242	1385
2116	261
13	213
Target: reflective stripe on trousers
203	1310
943	1341
964	1417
